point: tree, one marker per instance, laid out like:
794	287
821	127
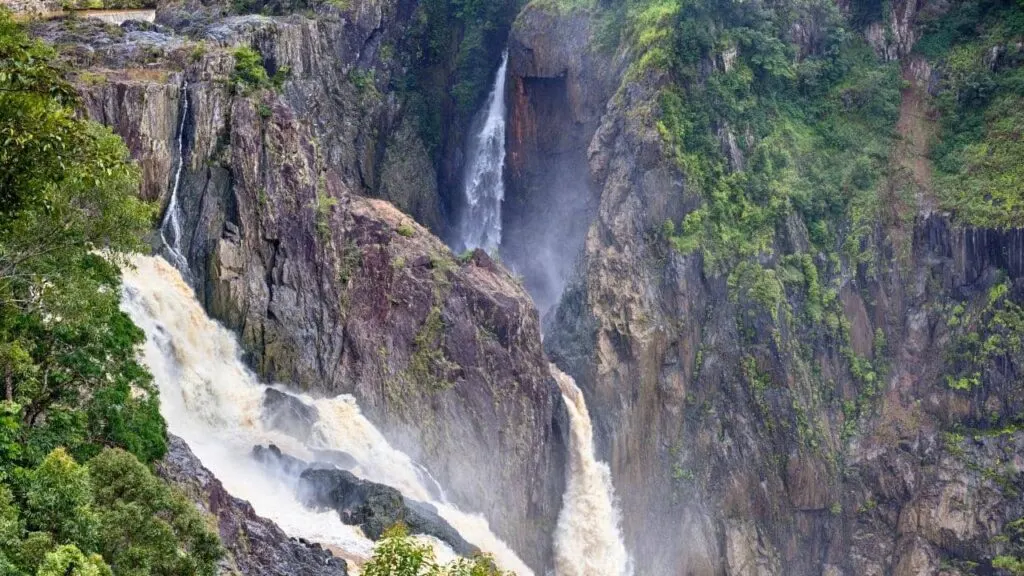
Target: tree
67	190
59	500
147	528
70	383
396	554
68	560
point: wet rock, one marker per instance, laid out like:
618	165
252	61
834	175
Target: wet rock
355	297
272	456
284	412
376	507
338	458
256	546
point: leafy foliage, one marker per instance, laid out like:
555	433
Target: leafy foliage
396	554
71	386
145	527
985	343
250	74
978	155
771	132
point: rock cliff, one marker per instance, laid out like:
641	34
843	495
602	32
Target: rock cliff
746	434
333	292
733	436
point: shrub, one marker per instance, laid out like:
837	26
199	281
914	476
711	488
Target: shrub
249	74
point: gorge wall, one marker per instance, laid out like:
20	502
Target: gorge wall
730	432
332	292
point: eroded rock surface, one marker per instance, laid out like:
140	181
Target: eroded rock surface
376	507
725	429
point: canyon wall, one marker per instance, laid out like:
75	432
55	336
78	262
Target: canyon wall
333	292
729	431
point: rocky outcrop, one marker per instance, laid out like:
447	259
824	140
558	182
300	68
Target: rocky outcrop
288	414
330	291
255	546
376	507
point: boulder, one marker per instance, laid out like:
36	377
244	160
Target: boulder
338	458
376	507
273	457
288	414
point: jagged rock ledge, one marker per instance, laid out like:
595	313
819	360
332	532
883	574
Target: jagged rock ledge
255	546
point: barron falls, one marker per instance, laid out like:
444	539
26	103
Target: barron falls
511	288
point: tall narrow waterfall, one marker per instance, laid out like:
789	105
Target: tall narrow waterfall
213	401
172	217
588	540
483	185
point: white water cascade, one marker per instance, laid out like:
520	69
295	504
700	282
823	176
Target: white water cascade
588	540
213	401
484	186
172	218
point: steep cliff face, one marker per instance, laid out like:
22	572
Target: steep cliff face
330	291
558	92
745	443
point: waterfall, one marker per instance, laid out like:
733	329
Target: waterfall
172	217
588	540
484	186
214	402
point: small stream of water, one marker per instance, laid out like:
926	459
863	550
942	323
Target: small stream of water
171	225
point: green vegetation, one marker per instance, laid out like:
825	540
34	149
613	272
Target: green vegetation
787	148
406	230
985	343
78	415
396	554
1012	562
460	40
249	71
323	205
429	366
251	75
814	130
978	154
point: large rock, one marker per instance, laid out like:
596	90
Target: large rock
284	412
272	457
255	545
376	507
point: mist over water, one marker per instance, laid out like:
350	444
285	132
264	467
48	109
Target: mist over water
484	185
214	402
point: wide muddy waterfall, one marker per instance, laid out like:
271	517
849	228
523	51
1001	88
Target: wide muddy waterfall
483	185
588	540
213	401
171	225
